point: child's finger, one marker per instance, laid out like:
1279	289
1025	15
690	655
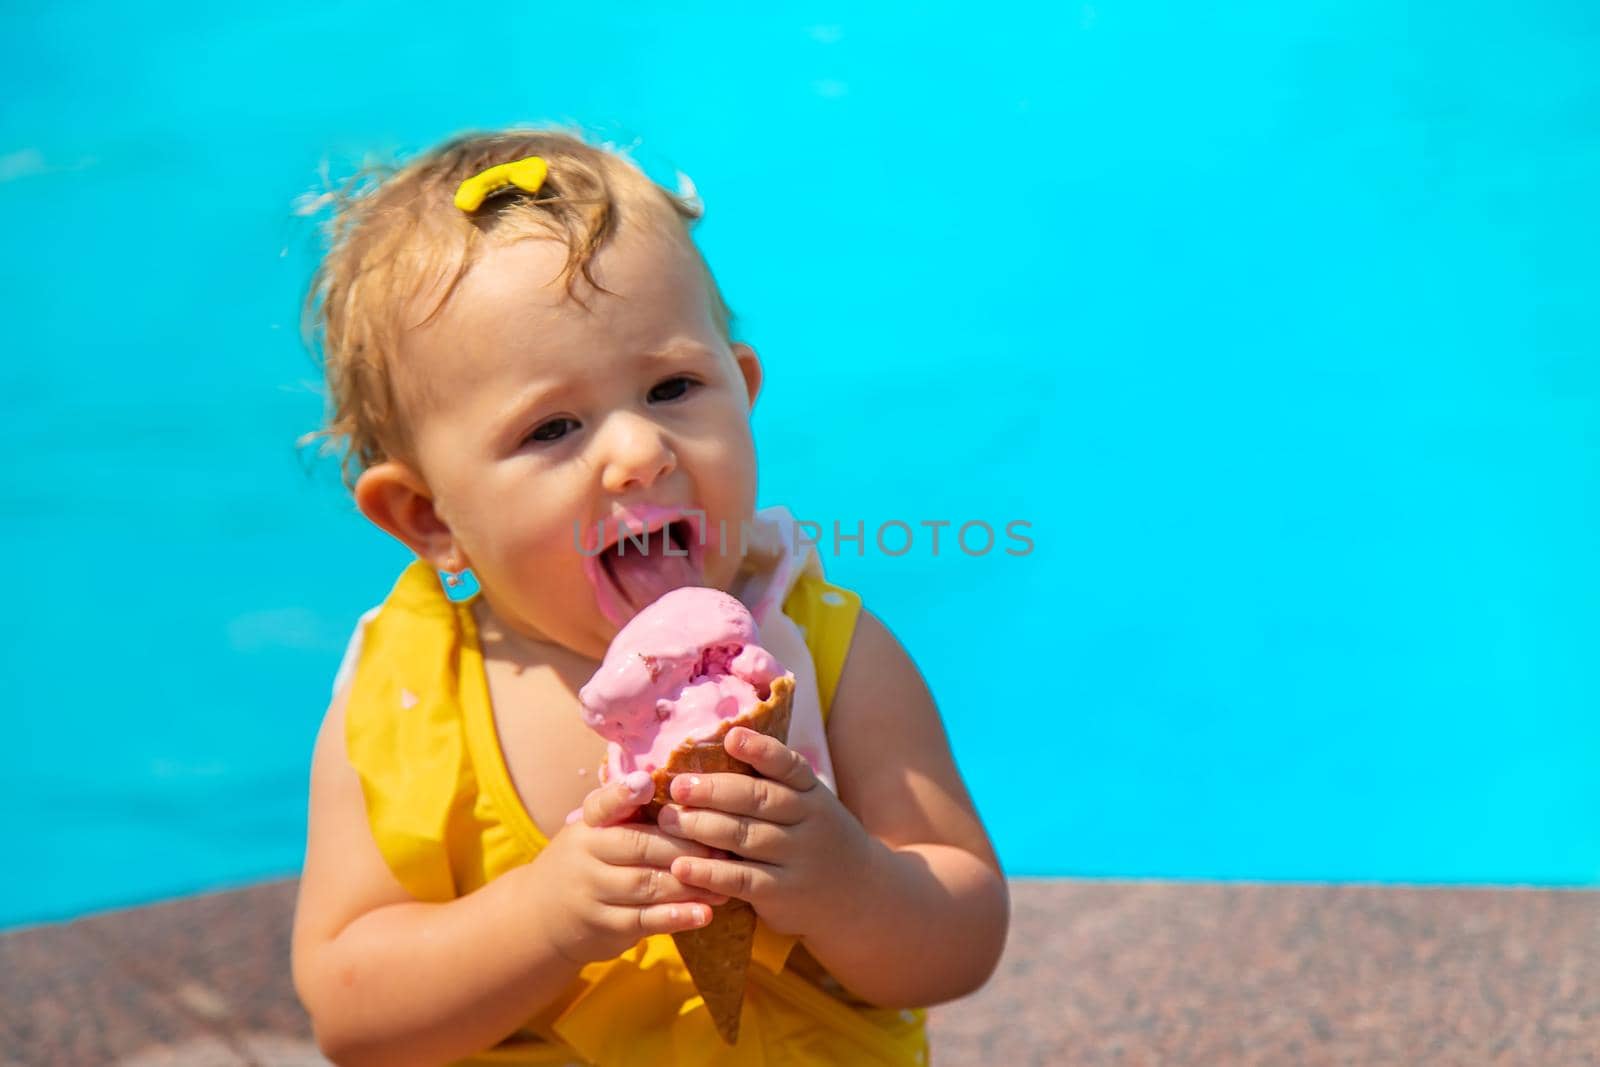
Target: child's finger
615	802
771	758
745	880
640	887
638	845
740	794
671	918
751	839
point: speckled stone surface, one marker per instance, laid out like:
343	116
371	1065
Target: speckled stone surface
1203	973
1124	973
198	981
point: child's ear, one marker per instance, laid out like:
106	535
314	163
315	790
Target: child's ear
392	496
750	367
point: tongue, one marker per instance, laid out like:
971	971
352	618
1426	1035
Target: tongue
645	577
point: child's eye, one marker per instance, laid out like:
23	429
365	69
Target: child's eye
673	388
553	430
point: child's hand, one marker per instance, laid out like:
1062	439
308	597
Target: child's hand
610	879
795	845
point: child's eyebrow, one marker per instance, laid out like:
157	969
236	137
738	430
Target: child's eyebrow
546	390
676	348
540	391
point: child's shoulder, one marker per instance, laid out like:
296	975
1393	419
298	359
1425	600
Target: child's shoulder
811	588
415	593
352	650
826	615
815	602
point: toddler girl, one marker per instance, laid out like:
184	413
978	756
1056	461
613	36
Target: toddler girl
526	358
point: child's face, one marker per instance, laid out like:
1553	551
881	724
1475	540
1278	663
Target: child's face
542	419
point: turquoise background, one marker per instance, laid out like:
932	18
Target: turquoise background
1277	324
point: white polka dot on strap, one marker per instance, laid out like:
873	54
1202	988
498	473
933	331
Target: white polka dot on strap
832	599
408	699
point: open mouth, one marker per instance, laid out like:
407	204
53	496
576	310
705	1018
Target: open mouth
672	540
643	561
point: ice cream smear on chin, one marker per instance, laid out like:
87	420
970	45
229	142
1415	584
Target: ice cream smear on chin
676	672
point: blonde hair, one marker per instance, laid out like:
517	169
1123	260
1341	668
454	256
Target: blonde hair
396	233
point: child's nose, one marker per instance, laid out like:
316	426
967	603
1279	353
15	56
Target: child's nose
637	455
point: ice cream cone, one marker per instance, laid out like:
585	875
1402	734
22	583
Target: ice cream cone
718	954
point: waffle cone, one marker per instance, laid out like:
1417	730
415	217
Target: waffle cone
718	954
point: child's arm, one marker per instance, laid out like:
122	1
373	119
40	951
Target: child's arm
893	884
389	980
934	924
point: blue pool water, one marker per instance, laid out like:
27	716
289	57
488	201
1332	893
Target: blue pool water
1277	325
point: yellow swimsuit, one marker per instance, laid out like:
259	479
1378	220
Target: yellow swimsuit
444	813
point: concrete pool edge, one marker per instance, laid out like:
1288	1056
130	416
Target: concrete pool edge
1096	971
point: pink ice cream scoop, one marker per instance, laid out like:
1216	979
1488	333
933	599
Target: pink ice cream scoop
678	669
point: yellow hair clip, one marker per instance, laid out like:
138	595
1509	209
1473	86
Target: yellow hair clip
525	174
